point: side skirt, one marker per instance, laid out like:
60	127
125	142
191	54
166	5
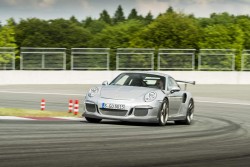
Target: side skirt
176	117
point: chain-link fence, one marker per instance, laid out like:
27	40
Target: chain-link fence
176	59
135	59
90	58
43	58
7	58
217	59
245	60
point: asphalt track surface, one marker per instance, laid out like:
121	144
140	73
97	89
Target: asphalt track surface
219	135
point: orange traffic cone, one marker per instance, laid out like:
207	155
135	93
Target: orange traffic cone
76	107
70	106
43	104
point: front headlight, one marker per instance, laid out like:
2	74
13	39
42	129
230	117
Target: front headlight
150	96
93	92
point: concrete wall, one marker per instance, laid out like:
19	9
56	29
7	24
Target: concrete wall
97	77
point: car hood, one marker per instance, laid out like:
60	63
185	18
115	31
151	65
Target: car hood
123	92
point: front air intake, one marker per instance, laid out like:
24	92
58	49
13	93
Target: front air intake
140	112
90	107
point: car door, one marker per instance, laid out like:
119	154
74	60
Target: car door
175	97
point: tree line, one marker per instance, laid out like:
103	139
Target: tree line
170	29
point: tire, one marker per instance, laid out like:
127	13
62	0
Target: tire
93	120
189	115
163	113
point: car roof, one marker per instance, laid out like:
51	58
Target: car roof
149	72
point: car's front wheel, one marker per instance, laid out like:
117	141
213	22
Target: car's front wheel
163	113
93	120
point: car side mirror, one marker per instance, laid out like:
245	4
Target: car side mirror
175	89
105	83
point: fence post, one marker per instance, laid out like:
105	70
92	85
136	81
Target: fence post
242	60
72	60
43	61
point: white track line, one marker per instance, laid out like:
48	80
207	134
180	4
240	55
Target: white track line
65	94
14	118
70	118
213	102
42	93
38	118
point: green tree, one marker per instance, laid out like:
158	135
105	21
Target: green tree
96	26
57	33
221	18
223	37
170	30
119	15
117	36
74	20
31	33
104	16
244	23
133	14
64	34
148	18
53	33
7	39
87	21
7	34
170	10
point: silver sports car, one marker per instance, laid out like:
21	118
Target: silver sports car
140	97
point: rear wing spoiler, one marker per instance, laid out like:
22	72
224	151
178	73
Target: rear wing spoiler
186	82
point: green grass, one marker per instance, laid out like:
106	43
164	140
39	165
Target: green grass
34	113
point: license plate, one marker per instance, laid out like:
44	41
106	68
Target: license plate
113	106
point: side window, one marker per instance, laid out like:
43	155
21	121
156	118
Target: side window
172	83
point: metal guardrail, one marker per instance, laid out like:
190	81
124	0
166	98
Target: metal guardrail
135	59
176	59
43	58
7	58
126	59
245	60
90	58
216	59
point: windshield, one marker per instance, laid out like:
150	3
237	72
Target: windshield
140	80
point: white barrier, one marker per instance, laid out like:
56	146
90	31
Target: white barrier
97	77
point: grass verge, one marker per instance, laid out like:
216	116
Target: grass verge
34	113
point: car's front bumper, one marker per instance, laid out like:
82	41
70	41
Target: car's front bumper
134	111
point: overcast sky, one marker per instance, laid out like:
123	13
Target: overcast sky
51	9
